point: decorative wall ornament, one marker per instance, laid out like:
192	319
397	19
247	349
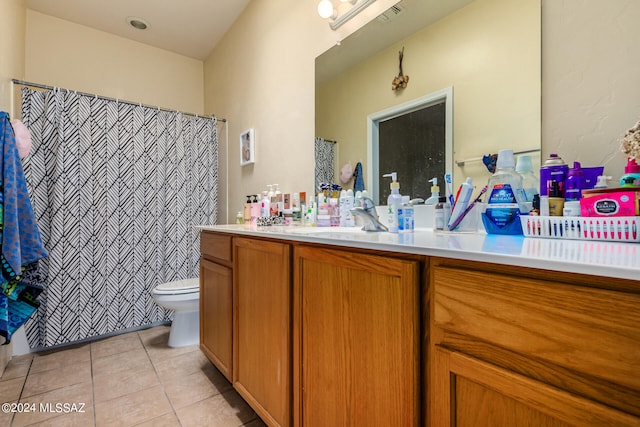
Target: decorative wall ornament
400	81
630	144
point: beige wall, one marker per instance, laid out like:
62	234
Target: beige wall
12	29
261	76
61	53
591	79
488	51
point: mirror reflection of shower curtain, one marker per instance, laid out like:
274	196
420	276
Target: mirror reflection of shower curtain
117	189
325	161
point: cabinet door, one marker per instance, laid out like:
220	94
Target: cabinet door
216	316
262	349
469	392
356	339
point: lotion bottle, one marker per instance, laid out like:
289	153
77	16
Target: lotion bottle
435	192
394	201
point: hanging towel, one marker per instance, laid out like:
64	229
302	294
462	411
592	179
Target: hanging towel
20	244
358	184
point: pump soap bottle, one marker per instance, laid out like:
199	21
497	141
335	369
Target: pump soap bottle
435	192
394	201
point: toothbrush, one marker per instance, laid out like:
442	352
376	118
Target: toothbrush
466	211
447	180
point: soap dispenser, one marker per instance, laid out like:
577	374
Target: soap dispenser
394	201
435	193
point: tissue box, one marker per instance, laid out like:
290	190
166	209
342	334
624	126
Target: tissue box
610	202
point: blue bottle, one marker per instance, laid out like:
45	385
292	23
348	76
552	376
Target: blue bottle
507	200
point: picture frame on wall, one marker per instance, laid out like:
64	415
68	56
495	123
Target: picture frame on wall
247	147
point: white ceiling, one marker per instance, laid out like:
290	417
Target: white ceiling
188	27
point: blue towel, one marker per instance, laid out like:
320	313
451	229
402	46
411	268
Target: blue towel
21	246
358	184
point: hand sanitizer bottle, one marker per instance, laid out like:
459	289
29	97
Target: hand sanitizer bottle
394	201
435	192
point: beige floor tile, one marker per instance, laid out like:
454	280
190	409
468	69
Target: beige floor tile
182	365
18	367
73	373
133	408
121	382
150	333
184	391
78	394
126	361
10	389
158	348
69	419
57	359
167	420
115	345
222	410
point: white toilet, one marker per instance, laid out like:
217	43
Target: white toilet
183	297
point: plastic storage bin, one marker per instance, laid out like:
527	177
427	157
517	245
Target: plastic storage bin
612	229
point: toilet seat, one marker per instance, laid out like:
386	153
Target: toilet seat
178	287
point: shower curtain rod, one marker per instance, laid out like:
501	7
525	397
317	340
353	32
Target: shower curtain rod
106	98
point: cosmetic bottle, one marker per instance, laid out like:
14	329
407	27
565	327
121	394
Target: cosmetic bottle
255	209
405	216
265	205
530	182
435	192
247	210
574	183
631	177
442	213
553	169
394	201
346	204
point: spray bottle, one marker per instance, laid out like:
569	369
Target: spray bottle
394	202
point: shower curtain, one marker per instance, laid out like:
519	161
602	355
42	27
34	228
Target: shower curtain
325	161
117	189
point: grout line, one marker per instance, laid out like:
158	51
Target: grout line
93	392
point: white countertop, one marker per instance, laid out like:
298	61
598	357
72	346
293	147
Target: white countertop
609	259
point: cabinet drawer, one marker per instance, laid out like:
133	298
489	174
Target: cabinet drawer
585	329
217	246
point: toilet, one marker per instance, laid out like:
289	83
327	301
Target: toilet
183	297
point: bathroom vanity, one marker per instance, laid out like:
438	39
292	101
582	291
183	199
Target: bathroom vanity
318	327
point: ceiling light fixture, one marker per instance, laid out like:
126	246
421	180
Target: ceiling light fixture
137	23
326	10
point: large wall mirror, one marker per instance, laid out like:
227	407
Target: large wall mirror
487	52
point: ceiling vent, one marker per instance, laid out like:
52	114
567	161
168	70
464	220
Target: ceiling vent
392	12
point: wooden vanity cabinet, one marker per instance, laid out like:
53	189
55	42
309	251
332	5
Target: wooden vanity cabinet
216	300
520	347
356	339
262	329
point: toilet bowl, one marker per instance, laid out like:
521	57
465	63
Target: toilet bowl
183	297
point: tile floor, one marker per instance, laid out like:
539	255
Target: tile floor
133	379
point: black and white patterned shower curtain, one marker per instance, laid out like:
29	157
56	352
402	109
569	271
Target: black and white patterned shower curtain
325	161
117	189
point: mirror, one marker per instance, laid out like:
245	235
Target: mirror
487	51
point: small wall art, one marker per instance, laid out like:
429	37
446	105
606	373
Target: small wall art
247	147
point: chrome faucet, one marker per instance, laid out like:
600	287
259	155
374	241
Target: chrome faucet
367	212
